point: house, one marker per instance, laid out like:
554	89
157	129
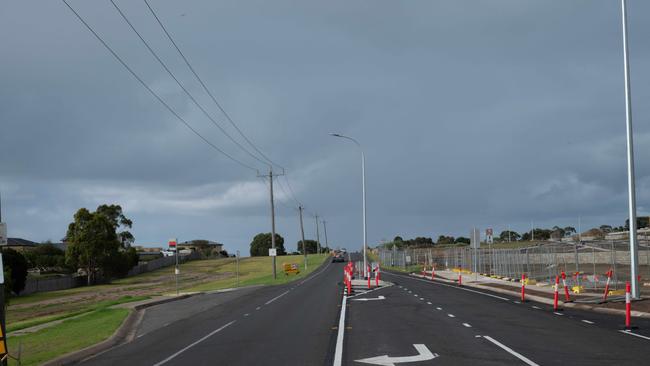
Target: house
207	247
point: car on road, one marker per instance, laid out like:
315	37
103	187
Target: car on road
338	257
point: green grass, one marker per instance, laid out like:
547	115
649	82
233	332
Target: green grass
13	326
258	271
70	335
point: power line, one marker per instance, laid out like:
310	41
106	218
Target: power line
198	105
198	78
144	84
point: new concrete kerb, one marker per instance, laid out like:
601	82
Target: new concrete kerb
542	300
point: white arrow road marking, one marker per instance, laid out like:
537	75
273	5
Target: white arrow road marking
370	299
423	355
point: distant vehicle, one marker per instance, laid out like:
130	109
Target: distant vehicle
168	253
343	250
338	258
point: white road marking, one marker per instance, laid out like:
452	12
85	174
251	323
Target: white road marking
247	314
428	302
194	344
277	297
511	351
556	313
258	308
451	315
370	298
587	321
338	352
422	299
454	286
517	302
423	355
536	307
634	334
466	325
438	308
416	295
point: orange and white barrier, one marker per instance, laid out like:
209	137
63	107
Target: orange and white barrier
628	306
609	277
433	272
377	272
523	287
460	278
567	298
556	295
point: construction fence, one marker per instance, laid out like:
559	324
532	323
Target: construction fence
584	264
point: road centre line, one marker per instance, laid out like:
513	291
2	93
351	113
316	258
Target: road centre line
556	313
194	344
634	334
511	351
338	352
456	287
438	308
428	302
277	297
587	321
536	307
466	325
451	315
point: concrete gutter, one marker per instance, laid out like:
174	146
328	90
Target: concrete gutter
543	300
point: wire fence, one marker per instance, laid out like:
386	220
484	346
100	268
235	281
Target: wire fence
584	264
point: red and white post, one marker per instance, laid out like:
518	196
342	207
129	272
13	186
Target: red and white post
369	276
377	275
567	298
609	277
433	272
460	278
556	295
628	306
523	287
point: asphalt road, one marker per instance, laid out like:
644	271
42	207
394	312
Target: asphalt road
437	323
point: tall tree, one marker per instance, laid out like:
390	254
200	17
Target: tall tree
16	269
310	245
97	245
262	243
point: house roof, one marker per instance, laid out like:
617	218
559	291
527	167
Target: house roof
19	242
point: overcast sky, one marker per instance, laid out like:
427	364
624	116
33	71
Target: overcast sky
471	113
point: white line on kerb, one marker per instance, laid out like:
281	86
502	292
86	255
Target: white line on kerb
277	297
466	325
587	321
194	344
338	353
634	334
511	351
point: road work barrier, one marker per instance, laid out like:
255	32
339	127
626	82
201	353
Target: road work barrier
556	294
567	298
609	278
523	287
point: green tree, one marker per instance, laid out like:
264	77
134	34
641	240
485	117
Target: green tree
45	256
514	236
15	271
96	244
311	245
262	243
462	240
442	239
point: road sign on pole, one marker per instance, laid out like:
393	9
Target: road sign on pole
273	252
488	236
172	244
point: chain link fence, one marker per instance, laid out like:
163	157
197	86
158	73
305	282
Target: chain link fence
585	264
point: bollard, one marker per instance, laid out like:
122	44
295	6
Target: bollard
433	272
567	298
523	287
349	283
460	278
628	306
424	271
369	275
609	277
556	295
377	276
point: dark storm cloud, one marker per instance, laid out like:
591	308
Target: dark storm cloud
488	113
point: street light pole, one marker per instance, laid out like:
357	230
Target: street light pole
634	250
302	234
363	184
325	232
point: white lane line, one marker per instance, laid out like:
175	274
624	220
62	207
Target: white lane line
338	352
517	302
451	315
194	344
277	297
438	308
634	334
258	308
422	299
466	325
428	302
536	307
247	314
454	286
511	351
556	313
587	321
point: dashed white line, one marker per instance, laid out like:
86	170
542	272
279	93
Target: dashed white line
247	314
438	308
454	286
556	313
428	302
466	325
422	299
511	351
587	321
634	334
277	297
536	307
517	302
194	344
451	315
258	308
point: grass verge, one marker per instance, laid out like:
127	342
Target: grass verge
70	335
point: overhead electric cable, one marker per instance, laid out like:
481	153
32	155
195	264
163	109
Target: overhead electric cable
204	86
144	84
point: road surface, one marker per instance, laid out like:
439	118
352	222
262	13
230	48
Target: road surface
412	322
